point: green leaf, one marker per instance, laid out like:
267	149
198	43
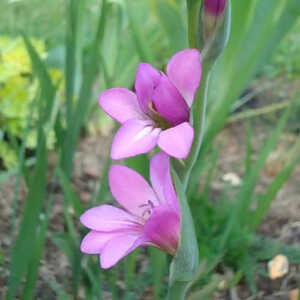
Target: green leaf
48	90
70	197
142	48
72	56
38	249
184	265
21	252
173	23
90	70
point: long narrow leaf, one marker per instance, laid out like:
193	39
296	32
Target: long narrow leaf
38	249
21	252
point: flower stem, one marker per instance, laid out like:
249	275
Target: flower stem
177	290
199	116
193	16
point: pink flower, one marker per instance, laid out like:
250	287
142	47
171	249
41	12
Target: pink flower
159	111
151	216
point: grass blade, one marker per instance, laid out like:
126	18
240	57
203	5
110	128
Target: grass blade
140	43
47	88
70	197
85	95
21	251
170	16
73	10
32	274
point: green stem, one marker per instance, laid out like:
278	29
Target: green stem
193	16
177	290
199	116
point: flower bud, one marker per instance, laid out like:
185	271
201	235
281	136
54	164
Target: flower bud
214	28
215	8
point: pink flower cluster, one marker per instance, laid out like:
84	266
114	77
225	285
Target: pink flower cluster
156	114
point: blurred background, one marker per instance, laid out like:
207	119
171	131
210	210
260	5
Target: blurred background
56	57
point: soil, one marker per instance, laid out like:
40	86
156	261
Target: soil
283	219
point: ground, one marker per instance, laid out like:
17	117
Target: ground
282	221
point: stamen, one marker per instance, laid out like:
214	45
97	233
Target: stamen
149	206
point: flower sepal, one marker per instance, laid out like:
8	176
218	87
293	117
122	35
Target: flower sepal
213	29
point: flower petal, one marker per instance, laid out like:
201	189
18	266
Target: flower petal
159	166
117	248
177	141
107	218
184	71
131	190
162	229
94	241
146	80
121	104
169	103
161	180
133	138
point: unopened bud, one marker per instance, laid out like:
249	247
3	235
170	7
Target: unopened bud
215	7
214	28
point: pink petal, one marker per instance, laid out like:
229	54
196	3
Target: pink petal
121	104
117	248
133	138
184	71
177	141
107	218
169	103
159	166
94	241
162	229
146	80
161	180
131	190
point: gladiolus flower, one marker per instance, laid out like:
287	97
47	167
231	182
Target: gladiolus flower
158	113
150	216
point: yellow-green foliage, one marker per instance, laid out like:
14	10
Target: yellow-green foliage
17	91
